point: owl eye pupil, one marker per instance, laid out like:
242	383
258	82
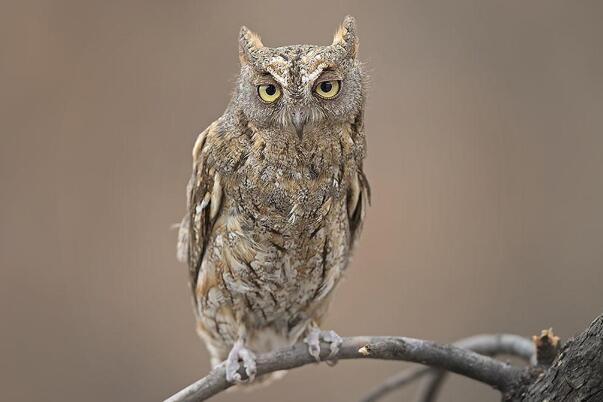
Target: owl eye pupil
326	86
270	89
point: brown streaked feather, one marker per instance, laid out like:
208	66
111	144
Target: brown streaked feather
356	214
204	195
359	191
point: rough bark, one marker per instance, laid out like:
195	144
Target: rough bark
575	375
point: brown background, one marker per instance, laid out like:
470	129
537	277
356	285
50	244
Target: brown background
485	129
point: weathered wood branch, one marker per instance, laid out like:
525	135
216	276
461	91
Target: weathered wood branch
489	345
576	374
510	345
499	375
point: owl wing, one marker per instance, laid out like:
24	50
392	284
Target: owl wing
359	195
359	192
204	196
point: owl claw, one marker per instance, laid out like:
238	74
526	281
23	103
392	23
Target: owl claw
335	342
240	353
313	341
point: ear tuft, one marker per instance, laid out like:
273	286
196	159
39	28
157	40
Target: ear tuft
346	36
248	43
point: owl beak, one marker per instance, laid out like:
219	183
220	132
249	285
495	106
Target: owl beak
298	118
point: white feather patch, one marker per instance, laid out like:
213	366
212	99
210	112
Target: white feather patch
216	197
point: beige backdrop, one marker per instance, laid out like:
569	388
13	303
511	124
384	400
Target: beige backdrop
484	124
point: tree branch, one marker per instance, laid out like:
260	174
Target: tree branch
489	345
576	374
397	381
499	375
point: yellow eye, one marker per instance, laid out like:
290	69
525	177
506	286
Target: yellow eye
327	89
269	92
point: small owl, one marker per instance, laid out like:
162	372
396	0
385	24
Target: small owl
276	200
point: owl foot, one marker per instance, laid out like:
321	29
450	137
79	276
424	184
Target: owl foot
313	341
240	354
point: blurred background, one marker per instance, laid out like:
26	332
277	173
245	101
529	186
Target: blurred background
485	131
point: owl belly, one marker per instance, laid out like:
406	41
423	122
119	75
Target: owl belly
272	283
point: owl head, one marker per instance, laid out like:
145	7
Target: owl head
300	87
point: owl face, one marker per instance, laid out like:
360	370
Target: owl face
297	87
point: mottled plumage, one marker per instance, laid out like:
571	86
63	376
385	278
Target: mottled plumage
276	198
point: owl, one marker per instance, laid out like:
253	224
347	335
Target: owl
276	200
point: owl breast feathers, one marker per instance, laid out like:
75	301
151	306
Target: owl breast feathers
277	197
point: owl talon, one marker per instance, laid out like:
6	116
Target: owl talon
335	342
313	341
238	355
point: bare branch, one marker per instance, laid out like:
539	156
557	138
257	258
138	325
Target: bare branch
499	344
396	381
499	375
489	345
430	387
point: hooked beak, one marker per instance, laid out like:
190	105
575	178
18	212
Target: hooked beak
299	118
